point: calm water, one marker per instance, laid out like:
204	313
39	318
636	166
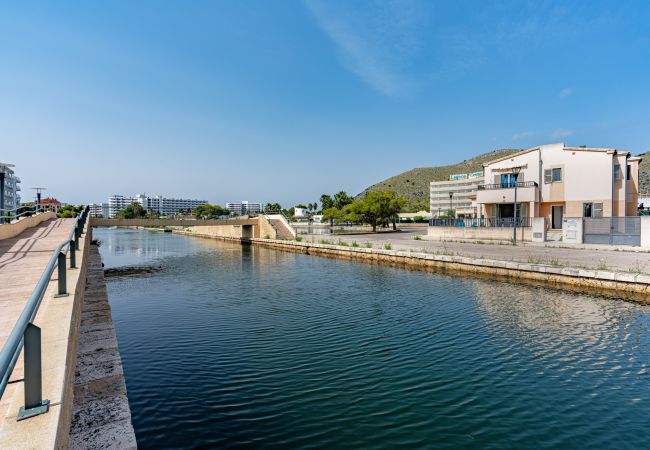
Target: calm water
240	347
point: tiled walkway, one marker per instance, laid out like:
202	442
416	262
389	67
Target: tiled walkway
22	261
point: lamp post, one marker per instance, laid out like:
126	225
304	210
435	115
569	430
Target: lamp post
451	195
38	197
515	171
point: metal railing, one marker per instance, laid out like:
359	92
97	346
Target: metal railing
26	334
495	222
9	215
507	185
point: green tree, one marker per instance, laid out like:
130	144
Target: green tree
326	202
272	207
210	212
133	211
69	211
341	200
377	208
332	215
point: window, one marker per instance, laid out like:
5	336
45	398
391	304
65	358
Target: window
557	174
553	175
617	172
592	210
628	174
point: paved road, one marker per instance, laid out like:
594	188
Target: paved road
530	252
22	261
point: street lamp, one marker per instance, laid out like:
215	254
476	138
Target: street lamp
451	195
515	171
38	197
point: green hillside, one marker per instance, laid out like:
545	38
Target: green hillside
414	184
644	173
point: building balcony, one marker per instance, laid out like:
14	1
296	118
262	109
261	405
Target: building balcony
527	191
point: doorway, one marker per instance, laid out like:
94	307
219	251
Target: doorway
557	213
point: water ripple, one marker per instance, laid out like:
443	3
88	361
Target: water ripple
239	347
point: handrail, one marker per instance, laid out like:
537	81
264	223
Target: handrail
26	211
26	334
507	185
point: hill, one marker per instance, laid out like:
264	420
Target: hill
414	184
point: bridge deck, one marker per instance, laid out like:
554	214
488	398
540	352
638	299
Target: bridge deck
22	261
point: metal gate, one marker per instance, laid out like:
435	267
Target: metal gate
612	230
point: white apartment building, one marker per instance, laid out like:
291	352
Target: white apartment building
458	194
159	205
556	181
9	182
98	210
244	207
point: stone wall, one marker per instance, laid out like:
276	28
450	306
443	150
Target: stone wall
478	233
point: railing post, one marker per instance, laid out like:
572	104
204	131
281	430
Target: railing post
34	404
73	253
63	290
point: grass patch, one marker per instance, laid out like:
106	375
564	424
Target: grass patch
417	238
354	244
388	247
368	245
267	236
324	241
298	238
342	243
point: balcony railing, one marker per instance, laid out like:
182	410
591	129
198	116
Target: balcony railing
496	222
508	185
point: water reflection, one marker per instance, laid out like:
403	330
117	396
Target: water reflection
239	346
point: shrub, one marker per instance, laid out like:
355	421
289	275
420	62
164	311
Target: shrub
388	247
267	236
368	245
299	238
417	238
354	244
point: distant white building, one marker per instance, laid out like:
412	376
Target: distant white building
243	207
162	206
11	186
98	210
301	212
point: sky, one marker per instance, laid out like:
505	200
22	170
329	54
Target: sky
281	101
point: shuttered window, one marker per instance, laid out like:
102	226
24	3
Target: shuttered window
547	176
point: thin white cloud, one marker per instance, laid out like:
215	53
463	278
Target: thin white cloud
376	41
522	135
562	133
566	92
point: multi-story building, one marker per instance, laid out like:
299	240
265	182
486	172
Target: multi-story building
159	205
244	207
98	210
457	194
9	183
554	181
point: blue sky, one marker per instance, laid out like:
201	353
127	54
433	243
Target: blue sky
284	100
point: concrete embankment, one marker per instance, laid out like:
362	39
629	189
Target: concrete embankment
624	285
101	417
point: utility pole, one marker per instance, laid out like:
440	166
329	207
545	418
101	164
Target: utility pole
515	171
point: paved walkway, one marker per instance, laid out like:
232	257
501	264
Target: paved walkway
22	261
589	258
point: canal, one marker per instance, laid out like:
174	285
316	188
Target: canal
230	346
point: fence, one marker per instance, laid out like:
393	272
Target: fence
612	230
494	222
506	185
28	336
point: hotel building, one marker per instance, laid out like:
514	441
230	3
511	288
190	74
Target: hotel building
458	194
10	183
244	207
162	206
